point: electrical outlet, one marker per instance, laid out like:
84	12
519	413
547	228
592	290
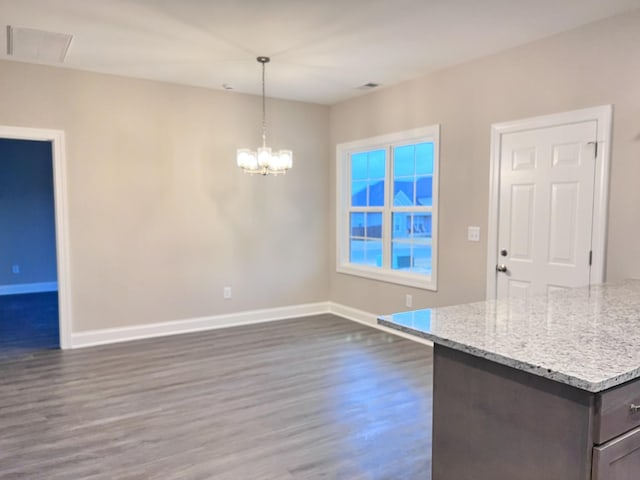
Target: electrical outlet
15	269
227	293
473	234
408	300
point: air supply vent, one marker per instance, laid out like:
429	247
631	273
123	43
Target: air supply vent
368	86
33	45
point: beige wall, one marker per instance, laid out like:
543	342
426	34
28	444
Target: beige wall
160	218
595	65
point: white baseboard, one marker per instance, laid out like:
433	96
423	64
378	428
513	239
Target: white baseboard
28	288
371	320
138	332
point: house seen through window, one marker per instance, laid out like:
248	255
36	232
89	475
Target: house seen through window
387	211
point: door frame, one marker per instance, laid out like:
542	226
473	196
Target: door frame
57	139
603	116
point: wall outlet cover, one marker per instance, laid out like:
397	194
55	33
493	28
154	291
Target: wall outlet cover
408	301
473	234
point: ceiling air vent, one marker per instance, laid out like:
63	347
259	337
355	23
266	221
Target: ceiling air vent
368	86
33	45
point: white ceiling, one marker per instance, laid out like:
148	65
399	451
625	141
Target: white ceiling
321	50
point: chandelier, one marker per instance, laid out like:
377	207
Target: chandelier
263	161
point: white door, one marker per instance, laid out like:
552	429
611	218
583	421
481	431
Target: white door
546	203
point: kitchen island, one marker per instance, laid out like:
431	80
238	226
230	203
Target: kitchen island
539	388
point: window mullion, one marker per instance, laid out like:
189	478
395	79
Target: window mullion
388	200
412	209
345	241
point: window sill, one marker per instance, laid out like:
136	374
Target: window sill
425	282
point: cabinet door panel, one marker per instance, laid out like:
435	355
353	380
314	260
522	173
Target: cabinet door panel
618	459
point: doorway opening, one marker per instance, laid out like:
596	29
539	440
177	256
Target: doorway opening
28	276
35	302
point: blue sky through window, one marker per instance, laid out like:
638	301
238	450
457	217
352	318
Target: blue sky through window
413	176
366	165
368	171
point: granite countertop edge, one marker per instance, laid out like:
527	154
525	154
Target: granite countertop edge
583	384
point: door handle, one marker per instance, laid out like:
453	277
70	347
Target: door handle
501	268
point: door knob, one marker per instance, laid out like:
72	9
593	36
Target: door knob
501	268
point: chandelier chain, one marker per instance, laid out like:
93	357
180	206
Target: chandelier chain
264	108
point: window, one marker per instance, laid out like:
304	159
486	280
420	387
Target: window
387	207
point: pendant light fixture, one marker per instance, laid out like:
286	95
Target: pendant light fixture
263	161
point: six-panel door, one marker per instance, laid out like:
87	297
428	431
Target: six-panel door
545	209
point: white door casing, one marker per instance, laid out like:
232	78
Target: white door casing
57	139
548	195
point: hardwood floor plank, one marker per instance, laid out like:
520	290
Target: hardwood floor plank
303	399
28	323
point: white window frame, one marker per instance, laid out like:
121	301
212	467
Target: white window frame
343	199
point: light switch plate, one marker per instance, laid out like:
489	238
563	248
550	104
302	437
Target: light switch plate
473	234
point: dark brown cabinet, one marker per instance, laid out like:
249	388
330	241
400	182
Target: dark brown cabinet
491	421
616	455
618	459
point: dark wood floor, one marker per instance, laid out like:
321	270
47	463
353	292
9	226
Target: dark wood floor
312	398
28	323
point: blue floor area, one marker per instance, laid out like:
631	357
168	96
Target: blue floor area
28	323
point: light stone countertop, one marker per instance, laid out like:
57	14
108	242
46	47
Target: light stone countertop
588	338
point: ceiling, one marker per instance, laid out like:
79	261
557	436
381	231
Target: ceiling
322	51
